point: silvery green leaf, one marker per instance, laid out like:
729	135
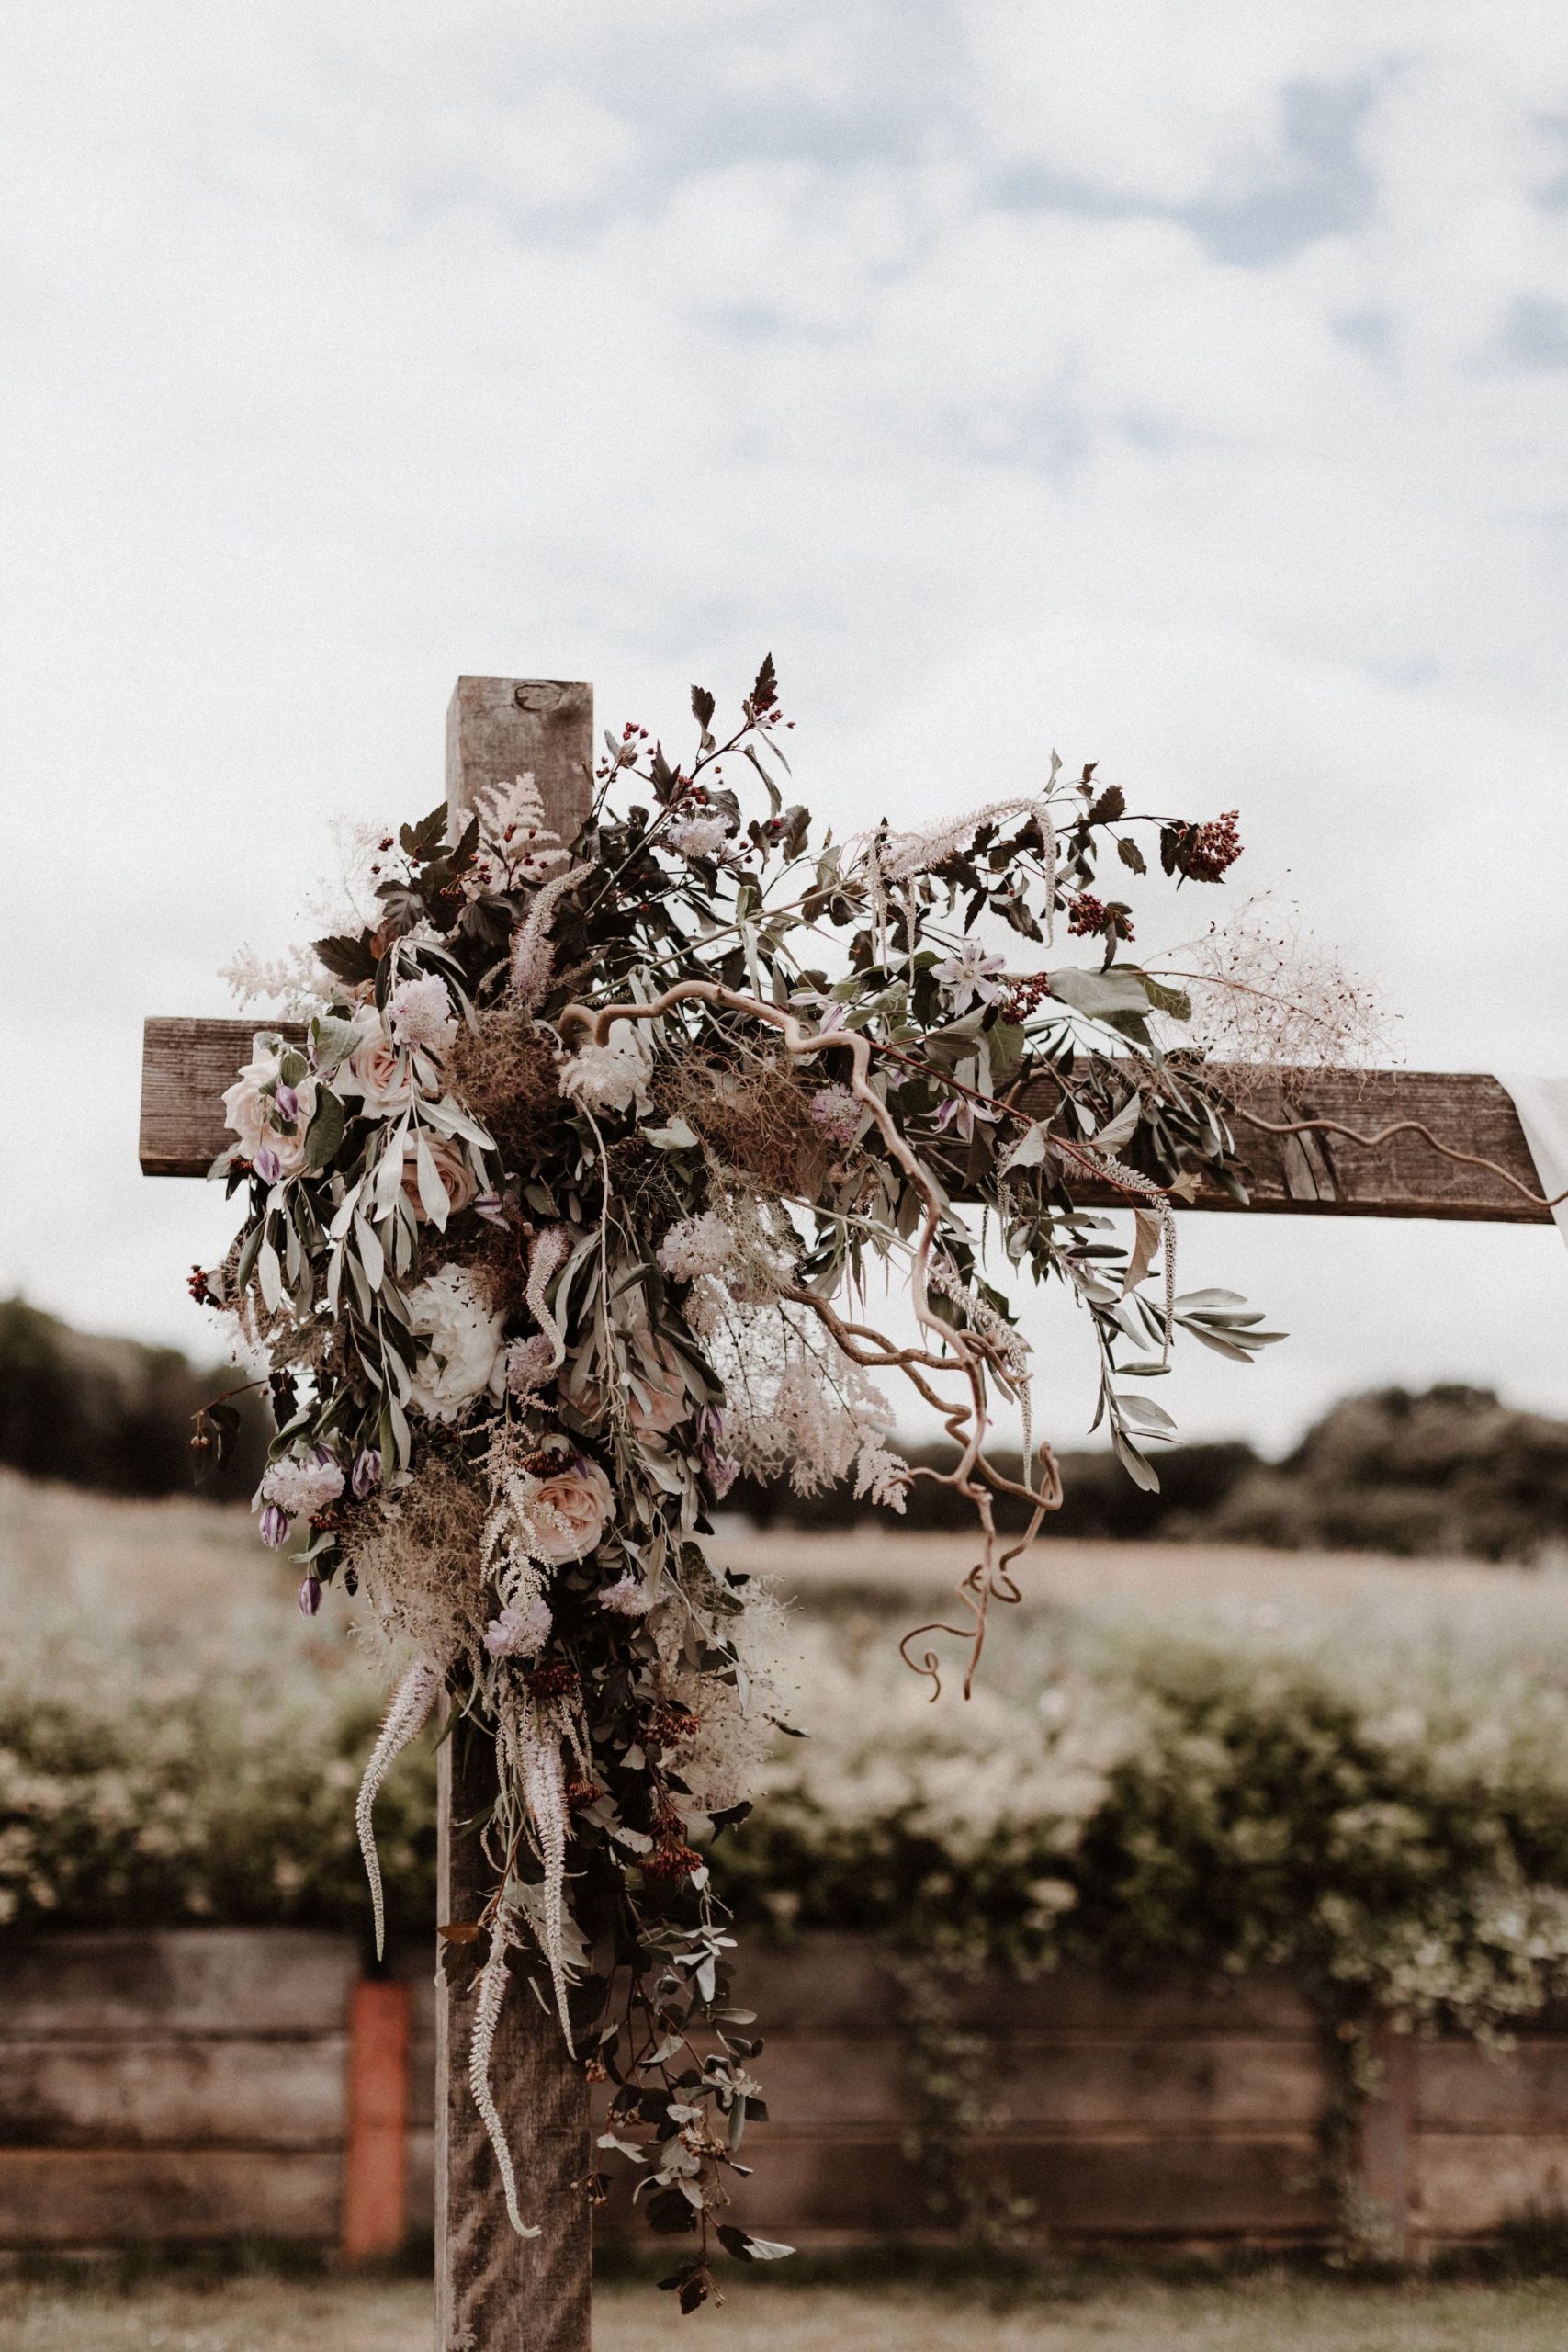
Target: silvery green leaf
1099	995
432	1191
675	1136
371	1255
1122	1127
269	1274
1027	1152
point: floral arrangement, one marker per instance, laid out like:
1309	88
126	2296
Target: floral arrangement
561	1210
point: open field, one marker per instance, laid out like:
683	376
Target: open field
1254	2316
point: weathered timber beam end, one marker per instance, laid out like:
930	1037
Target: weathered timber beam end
187	1064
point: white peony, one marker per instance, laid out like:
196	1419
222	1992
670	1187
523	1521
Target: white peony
699	836
613	1075
463	1358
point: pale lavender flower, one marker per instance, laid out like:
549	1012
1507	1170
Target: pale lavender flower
367	1471
288	1102
628	1597
529	1364
267	1165
519	1633
970	973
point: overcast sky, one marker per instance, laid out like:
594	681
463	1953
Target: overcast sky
1183	385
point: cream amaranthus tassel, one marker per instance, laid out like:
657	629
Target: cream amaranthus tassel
545	1794
490	1998
412	1703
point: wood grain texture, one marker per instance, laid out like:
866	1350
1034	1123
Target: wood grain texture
52	2197
186	1065
177	1982
72	2092
495	2291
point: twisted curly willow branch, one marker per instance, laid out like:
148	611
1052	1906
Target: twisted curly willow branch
1386	1134
947	1350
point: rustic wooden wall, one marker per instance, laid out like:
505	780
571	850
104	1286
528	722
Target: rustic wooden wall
192	2085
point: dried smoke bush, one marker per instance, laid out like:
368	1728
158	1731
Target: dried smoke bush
418	1555
506	1073
1266	992
758	1122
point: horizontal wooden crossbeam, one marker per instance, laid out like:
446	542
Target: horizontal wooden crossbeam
187	1064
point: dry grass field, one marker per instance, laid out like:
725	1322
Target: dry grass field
1250	2315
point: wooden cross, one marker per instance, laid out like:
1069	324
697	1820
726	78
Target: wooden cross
496	2292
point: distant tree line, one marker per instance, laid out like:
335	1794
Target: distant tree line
112	1413
1449	1470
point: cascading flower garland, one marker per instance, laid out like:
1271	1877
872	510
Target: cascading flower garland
560	1208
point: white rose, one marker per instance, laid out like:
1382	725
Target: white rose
251	1108
464	1356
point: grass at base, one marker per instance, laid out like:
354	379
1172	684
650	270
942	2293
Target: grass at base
1265	2311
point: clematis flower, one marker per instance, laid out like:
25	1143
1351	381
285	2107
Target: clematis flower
970	975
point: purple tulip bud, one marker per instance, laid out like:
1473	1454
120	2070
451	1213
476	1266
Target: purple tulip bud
367	1471
310	1596
273	1527
267	1165
325	1455
288	1102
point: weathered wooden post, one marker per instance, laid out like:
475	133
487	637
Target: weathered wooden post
495	2291
1389	1143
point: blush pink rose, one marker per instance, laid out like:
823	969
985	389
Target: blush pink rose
377	1073
568	1512
457	1177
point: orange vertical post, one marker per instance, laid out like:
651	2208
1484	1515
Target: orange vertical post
374	2166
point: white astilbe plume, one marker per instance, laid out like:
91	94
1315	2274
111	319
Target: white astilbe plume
533	955
490	1998
1132	1179
898	857
412	1703
517	841
795	1400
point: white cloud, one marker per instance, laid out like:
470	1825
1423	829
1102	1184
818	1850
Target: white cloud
1175	383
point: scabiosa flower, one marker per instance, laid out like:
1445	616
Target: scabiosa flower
519	1633
421	1014
628	1597
274	1528
699	836
367	1470
838	1111
529	1364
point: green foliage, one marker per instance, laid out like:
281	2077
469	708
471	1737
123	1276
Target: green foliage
1393	1832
